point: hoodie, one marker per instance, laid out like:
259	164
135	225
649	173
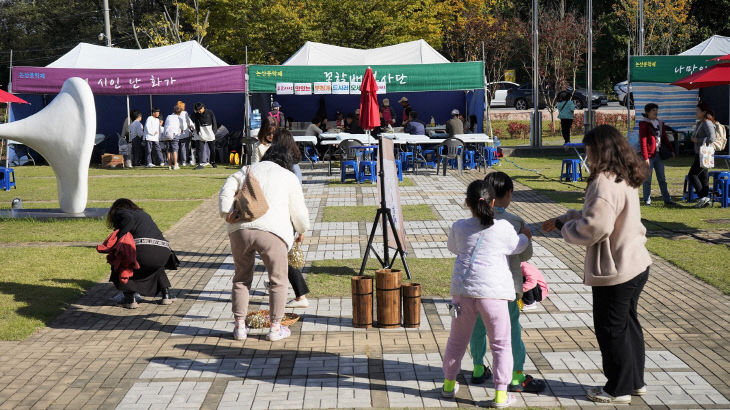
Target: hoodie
648	137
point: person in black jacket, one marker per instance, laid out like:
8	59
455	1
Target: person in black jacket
206	126
153	253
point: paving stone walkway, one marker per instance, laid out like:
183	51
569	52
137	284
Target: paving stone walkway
96	355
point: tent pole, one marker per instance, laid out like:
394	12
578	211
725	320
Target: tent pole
627	99
7	109
246	110
486	98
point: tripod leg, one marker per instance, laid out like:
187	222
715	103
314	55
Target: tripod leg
370	244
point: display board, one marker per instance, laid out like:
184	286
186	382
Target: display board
392	195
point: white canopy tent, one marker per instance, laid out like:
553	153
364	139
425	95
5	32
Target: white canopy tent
412	52
713	46
183	55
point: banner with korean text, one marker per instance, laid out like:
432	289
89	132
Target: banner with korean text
163	81
667	69
397	78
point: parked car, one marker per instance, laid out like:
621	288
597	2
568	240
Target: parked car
622	89
580	98
498	90
521	97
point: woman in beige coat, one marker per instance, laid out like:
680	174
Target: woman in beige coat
616	261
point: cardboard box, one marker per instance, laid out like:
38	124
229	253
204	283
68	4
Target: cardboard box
112	161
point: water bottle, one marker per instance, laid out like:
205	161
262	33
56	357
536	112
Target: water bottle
255	119
433	121
497	142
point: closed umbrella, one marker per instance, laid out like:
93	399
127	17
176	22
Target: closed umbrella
369	110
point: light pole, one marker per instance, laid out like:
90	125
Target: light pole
536	123
107	26
640	43
588	117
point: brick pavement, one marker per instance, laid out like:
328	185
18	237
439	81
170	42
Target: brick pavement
96	355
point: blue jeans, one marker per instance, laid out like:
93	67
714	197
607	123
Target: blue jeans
656	164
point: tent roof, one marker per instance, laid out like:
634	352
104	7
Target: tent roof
412	52
182	55
713	46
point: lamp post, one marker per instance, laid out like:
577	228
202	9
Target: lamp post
640	42
589	115
536	121
107	25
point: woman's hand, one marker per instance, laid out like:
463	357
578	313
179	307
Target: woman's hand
525	230
299	238
647	162
693	139
549	225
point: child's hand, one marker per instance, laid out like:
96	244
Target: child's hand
549	225
526	231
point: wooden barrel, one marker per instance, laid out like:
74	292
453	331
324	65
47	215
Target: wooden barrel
362	301
387	286
411	304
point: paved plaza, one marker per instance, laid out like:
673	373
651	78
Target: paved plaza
97	355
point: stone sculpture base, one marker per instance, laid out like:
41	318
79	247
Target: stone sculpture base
46	214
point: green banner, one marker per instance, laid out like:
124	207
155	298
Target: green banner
397	78
667	69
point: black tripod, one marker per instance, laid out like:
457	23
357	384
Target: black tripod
382	214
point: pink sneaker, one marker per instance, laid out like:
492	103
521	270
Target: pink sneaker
239	332
283	333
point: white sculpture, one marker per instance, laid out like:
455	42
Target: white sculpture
63	133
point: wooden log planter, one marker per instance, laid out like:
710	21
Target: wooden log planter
388	293
362	301
411	305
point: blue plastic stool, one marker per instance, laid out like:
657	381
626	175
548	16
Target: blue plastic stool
571	170
368	171
688	194
425	153
311	153
490	153
470	159
8	178
345	175
399	164
406	157
720	188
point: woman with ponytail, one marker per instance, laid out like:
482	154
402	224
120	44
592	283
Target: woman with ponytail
481	284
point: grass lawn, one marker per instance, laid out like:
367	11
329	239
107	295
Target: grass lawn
35	289
335	183
332	278
36	284
367	213
656	217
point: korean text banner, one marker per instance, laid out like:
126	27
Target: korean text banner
667	69
398	78
199	80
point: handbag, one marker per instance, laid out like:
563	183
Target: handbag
249	204
296	257
707	156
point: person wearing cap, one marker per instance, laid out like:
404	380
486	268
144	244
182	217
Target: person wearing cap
406	110
454	126
276	116
152	131
387	113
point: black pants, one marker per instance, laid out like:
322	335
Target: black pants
533	295
297	282
619	334
565	125
138	152
699	178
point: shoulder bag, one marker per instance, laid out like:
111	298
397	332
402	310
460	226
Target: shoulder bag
249	204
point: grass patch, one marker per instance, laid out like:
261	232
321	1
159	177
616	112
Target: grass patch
335	183
331	278
367	213
33	289
702	260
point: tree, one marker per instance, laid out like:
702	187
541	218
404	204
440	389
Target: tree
668	27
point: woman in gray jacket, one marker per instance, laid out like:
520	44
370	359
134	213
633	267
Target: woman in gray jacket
704	134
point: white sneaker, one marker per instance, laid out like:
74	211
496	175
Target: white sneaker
150	166
702	202
598	395
176	167
239	332
639	392
531	306
302	303
450	394
283	333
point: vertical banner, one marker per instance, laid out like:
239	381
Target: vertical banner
392	194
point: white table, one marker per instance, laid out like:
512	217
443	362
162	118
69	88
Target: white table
339	137
306	140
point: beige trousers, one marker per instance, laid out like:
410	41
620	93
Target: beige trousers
244	245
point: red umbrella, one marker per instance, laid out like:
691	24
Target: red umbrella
721	58
718	74
6	97
369	110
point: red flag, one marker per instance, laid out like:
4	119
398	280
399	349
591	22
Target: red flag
369	110
6	97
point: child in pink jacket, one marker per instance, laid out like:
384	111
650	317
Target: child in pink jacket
534	287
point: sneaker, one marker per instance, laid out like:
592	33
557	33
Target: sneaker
129	301
166	298
450	394
671	204
598	395
239	332
702	202
199	167
531	306
530	385
283	333
646	203
214	165
484	377
639	392
176	167
169	168
150	166
302	303
501	405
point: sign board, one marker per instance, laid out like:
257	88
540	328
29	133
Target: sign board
398	78
667	69
355	87
303	88
382	87
340	87
510	75
285	88
322	88
392	194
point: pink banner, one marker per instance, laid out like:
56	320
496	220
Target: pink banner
163	81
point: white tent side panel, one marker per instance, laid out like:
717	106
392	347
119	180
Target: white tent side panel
412	52
183	55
